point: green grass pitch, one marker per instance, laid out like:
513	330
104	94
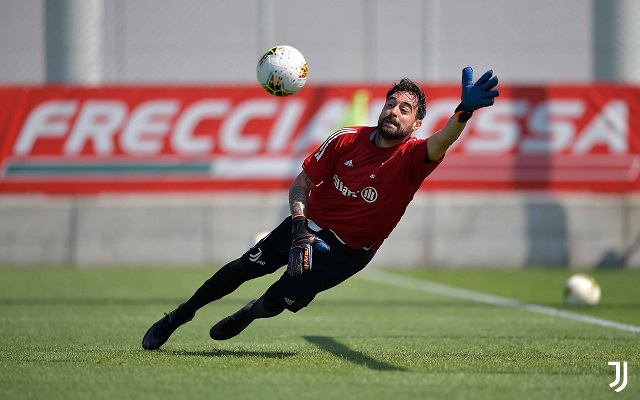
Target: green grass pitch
75	334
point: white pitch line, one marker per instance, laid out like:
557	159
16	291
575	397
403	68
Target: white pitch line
452	291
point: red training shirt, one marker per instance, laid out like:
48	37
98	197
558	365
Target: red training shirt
363	190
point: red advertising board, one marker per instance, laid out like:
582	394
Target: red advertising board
86	140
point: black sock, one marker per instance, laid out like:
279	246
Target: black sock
260	312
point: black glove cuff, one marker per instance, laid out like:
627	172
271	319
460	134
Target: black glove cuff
462	115
299	225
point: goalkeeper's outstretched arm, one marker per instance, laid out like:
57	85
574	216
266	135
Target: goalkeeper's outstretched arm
474	96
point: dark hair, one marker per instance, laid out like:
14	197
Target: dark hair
407	85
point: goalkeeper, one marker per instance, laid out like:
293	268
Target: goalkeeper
345	202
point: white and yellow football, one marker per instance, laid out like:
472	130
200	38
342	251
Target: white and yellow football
282	71
581	290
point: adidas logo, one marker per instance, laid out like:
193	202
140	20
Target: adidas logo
289	301
349	163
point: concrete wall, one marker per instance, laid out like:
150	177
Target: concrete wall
453	230
476	230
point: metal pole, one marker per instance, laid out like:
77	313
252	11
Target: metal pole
75	41
431	40
266	21
616	55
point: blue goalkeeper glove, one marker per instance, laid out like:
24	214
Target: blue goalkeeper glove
301	254
478	95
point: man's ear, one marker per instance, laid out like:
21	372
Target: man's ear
417	124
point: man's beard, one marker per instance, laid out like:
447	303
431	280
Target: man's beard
391	135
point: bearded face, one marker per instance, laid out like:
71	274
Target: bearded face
397	120
391	130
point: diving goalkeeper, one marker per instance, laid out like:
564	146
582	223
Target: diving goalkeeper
345	202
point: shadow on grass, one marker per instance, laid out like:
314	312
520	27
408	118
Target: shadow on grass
234	353
339	350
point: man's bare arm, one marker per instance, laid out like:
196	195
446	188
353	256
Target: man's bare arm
440	141
299	194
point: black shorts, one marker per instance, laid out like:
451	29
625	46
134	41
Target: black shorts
328	269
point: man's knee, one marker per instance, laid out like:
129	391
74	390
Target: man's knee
276	301
297	305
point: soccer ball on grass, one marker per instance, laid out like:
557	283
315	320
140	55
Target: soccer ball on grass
581	290
282	71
